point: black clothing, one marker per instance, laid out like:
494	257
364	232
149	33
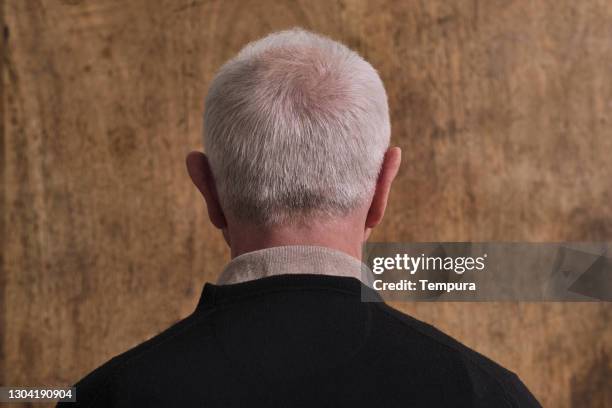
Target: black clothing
300	341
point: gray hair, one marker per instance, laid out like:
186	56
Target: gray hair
295	124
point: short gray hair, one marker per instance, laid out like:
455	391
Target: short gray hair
295	124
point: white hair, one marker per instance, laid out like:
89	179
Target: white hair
295	124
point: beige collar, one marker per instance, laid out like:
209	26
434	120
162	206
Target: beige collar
292	260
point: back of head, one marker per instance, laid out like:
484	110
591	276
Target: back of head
296	124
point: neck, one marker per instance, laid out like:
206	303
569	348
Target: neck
342	235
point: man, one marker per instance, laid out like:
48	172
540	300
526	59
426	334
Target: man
297	173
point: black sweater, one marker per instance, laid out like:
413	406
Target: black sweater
300	341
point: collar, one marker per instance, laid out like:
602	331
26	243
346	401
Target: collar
290	260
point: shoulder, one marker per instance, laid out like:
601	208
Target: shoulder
96	388
490	384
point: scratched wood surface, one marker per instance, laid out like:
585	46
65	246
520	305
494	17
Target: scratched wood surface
502	110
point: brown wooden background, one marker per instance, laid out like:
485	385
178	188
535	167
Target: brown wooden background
502	109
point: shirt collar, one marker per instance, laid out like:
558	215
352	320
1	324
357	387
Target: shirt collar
295	259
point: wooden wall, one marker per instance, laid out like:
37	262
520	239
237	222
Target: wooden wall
502	109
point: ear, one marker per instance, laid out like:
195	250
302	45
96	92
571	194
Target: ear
388	171
201	175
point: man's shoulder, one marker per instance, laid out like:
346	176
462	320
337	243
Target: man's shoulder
94	390
490	383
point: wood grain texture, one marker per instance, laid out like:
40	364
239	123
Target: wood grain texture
502	110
